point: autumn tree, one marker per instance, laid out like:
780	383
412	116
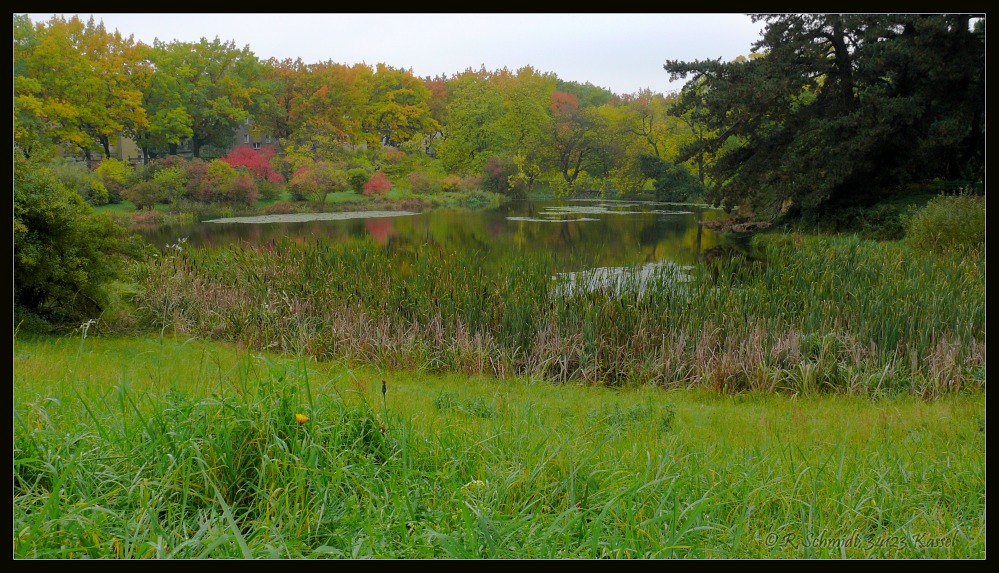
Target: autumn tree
328	110
399	108
77	83
378	184
437	106
587	94
33	123
576	138
284	81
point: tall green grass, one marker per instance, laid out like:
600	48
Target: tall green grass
166	447
814	313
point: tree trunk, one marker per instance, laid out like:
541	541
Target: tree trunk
843	65
106	144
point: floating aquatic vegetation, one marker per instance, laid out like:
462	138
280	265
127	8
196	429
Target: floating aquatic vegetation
551	220
557	214
584	210
306	217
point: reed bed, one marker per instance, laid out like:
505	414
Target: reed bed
178	448
805	314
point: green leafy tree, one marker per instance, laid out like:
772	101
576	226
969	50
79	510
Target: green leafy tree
527	125
474	131
219	86
672	182
163	98
838	108
357	177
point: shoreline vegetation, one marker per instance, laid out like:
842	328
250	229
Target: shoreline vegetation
804	313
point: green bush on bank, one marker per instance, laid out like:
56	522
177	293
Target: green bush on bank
948	223
65	255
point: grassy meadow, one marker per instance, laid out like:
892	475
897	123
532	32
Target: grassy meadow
821	397
173	447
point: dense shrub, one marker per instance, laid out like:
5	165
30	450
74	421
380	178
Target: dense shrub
269	191
98	194
166	162
497	173
458	184
378	184
195	171
303	183
145	195
65	254
114	174
423	182
241	189
215	183
357	177
258	162
75	176
948	223
172	181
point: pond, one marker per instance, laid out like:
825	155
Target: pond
581	234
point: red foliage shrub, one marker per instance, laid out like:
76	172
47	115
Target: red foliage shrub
379	184
259	162
195	188
303	183
242	189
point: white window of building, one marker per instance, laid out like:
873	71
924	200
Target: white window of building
246	138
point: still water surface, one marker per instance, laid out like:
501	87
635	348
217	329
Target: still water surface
581	234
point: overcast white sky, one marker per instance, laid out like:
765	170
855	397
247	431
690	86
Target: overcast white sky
621	52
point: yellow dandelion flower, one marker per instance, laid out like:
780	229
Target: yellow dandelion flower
301	418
